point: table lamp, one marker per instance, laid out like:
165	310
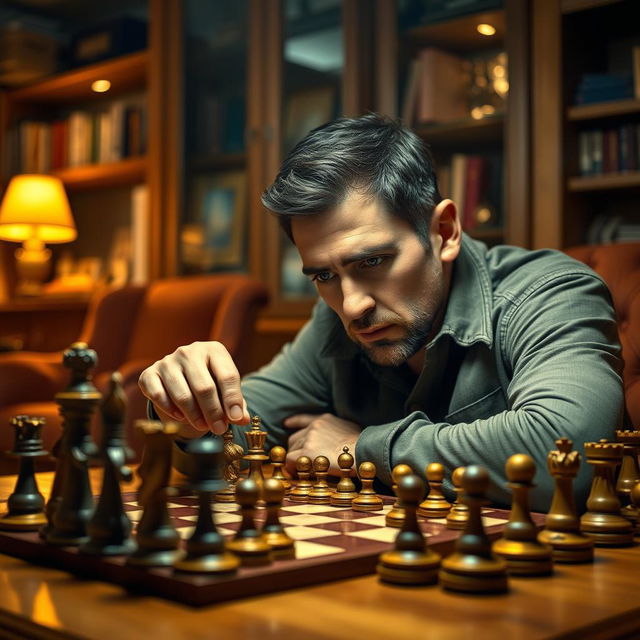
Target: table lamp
35	210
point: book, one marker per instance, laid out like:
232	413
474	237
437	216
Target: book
458	173
474	190
139	234
443	91
409	102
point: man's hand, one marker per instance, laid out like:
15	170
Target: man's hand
320	435
198	384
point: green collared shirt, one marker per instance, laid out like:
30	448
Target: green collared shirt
528	352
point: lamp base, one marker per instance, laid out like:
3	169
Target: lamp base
32	267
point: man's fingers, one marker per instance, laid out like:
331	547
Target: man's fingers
227	378
298	421
151	386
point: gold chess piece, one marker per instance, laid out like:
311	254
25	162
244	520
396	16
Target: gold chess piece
282	545
435	505
300	493
320	492
459	514
367	499
395	517
629	472
345	491
278	456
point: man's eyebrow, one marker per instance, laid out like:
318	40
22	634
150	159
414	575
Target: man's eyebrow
368	252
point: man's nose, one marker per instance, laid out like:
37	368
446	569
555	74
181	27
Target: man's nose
356	301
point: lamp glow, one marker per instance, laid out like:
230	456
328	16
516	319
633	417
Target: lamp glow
100	86
35	210
486	29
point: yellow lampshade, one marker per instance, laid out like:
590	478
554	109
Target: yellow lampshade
36	206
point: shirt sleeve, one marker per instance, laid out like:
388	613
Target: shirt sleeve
559	343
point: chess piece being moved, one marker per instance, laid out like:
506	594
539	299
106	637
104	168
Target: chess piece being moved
110	528
205	548
435	505
410	561
278	456
77	405
562	527
472	567
395	516
156	537
459	513
320	492
248	543
603	521
367	499
300	493
256	456
282	545
345	491
629	472
25	505
233	453
519	546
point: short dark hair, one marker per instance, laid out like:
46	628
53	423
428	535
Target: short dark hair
372	154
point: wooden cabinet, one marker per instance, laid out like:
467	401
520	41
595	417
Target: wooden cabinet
586	124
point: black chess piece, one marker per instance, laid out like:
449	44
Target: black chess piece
410	561
77	404
25	505
156	538
472	567
110	528
205	548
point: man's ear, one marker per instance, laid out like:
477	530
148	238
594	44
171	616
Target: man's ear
445	227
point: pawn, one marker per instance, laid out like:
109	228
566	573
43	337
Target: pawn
395	517
367	499
459	514
435	505
320	492
345	491
248	543
282	545
519	545
278	455
472	568
300	493
410	561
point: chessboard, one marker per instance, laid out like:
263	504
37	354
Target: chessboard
330	543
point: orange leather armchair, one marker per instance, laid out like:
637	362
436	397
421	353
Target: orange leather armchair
619	266
130	328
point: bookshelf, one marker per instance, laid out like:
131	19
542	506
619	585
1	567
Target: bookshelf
586	125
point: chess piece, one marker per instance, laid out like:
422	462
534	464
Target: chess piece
205	548
367	499
472	567
395	516
55	494
25	504
256	456
410	561
278	455
603	521
629	472
345	491
282	545
248	543
77	404
519	545
300	493
562	527
635	501
156	538
320	492
435	505
459	513
110	528
233	453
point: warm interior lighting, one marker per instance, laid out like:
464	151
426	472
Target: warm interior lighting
486	29
100	86
35	210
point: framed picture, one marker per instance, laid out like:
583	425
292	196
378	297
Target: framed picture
306	110
213	238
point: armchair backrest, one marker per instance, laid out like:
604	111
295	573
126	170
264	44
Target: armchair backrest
619	266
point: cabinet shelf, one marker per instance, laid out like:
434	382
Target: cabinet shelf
461	132
624	180
603	109
114	174
125	73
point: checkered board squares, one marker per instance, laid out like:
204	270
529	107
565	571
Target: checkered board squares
331	543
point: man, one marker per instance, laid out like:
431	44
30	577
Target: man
424	346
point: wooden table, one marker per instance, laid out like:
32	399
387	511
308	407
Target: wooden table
582	602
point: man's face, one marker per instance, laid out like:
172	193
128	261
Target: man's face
373	270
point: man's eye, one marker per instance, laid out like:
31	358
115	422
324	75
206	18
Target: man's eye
374	261
323	276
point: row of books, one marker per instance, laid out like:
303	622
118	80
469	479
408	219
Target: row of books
609	150
606	229
474	183
81	137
